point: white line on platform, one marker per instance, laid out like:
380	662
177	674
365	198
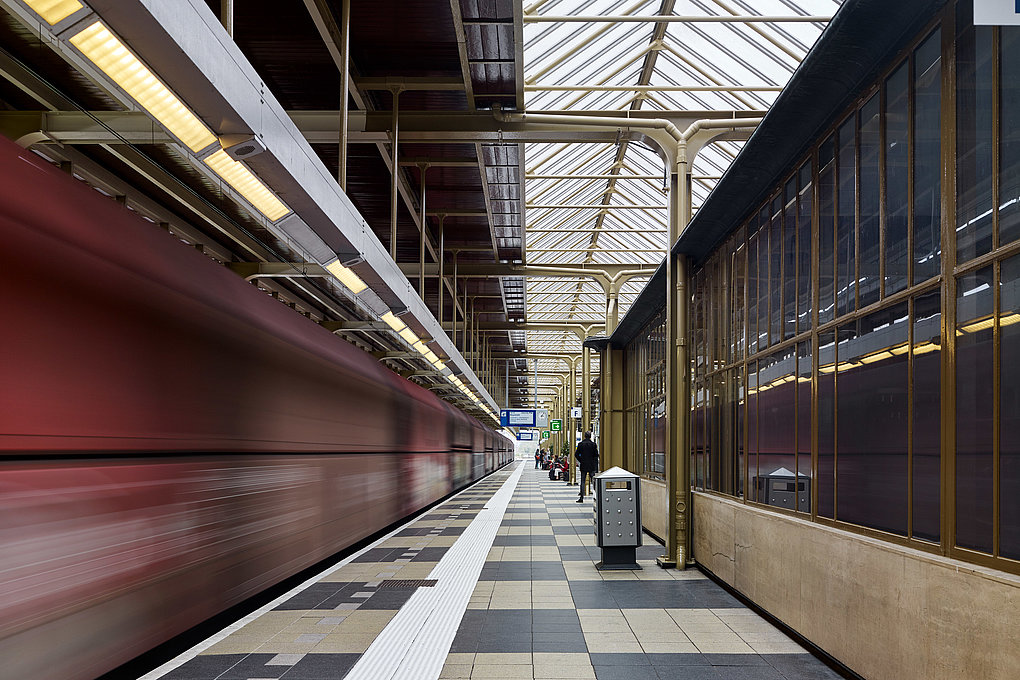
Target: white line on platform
191	653
415	643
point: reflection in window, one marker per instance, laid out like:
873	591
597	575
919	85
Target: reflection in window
846	243
870	180
804	425
974	326
804	278
1009	133
1009	408
826	423
790	259
927	158
826	234
926	456
871	450
776	271
752	427
777	463
897	156
763	279
974	143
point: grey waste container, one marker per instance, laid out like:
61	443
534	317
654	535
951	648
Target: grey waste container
618	518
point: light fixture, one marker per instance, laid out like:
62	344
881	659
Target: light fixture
54	11
439	364
419	347
342	273
393	322
431	356
103	49
248	185
409	337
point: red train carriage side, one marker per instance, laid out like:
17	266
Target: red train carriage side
172	440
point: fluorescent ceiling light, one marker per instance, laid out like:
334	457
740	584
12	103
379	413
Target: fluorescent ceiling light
439	364
393	322
342	273
419	346
54	11
431	356
409	337
103	49
251	187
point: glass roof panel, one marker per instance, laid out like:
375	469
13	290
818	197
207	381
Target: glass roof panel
590	204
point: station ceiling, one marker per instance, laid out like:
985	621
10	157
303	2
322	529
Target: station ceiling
487	201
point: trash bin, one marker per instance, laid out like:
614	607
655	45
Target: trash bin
618	518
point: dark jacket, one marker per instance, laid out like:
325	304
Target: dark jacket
587	455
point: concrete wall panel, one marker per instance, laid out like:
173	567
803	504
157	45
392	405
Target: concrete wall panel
884	610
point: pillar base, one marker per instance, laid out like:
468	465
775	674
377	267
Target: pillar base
666	562
618	557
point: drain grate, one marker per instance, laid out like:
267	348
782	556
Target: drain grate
408	583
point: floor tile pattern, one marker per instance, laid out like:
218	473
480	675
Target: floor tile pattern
540	610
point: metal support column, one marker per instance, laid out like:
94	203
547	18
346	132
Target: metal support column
442	278
568	424
395	167
422	168
345	86
585	389
227	16
678	485
612	308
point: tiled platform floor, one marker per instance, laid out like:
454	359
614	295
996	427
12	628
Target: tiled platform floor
540	608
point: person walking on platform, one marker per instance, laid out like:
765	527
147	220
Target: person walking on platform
587	456
538	458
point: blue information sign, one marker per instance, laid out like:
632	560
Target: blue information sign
517	417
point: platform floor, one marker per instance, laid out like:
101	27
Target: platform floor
516	595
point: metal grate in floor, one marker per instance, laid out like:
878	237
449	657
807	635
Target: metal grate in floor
408	583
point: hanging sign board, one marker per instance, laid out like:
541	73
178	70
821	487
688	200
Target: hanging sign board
575	412
524	417
545	434
556	425
997	12
526	436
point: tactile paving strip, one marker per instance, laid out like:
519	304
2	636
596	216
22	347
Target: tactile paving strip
416	641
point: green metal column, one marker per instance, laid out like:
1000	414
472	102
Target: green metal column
678	485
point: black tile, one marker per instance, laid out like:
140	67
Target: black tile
735	660
677	659
321	667
687	672
748	673
388	598
496	645
253	666
560	642
204	667
620	659
313	596
379	555
625	673
800	667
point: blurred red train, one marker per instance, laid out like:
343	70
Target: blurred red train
172	440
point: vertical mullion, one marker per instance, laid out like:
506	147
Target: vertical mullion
996	122
910	419
911	150
996	330
815	276
856	245
948	284
882	194
997	337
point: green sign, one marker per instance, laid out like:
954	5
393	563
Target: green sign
555	425
545	434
